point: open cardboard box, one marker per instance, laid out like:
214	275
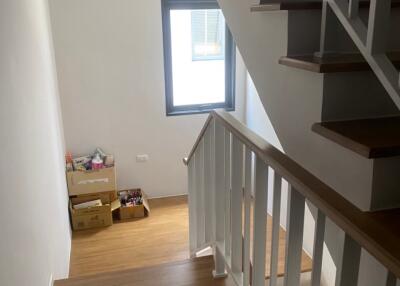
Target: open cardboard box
93	217
93	181
105	197
138	211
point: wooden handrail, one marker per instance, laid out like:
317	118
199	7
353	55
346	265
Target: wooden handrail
377	232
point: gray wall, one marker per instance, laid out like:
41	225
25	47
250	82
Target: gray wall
35	234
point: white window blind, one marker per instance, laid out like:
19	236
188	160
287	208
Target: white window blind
208	35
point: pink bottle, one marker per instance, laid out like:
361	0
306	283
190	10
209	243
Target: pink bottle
97	163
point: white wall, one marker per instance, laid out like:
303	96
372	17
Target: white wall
256	117
35	234
111	74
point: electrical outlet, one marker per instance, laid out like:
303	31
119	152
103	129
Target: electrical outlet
142	158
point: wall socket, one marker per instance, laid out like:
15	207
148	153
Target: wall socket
142	158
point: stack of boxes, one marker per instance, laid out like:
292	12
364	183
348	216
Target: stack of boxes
93	193
89	186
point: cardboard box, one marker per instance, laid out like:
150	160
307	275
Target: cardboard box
93	217
105	197
135	211
89	182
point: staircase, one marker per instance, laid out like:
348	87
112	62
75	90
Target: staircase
229	170
332	99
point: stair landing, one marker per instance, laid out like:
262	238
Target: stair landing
191	272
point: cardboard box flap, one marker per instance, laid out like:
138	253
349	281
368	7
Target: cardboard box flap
115	205
145	202
93	203
91	210
105	197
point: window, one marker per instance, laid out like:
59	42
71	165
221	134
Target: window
199	56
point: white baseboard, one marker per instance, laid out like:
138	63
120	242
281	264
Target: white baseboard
168	196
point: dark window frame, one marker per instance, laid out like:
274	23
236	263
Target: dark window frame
230	60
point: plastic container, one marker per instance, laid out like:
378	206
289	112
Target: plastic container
97	163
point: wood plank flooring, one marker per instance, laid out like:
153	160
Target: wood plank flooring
306	262
160	238
194	272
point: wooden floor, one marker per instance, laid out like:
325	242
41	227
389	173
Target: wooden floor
194	272
160	238
306	262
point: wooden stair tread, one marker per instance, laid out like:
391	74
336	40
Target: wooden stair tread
286	5
345	62
371	138
195	272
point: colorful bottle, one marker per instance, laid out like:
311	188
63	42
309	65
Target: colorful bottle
97	162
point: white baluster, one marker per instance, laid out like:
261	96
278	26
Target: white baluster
294	237
211	200
391	279
219	200
329	26
236	208
247	207
276	214
353	8
199	163
318	249
228	196
348	268
192	206
207	185
260	223
378	26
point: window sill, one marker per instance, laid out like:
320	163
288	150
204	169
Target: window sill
196	111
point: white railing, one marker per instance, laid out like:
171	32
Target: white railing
228	196
371	40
